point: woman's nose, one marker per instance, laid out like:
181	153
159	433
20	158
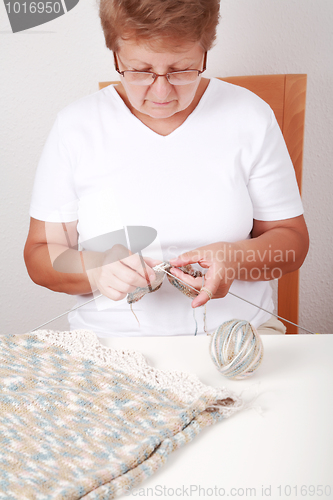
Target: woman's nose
161	87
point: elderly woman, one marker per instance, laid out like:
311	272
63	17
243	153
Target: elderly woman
200	161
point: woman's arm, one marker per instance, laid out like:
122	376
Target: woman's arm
52	261
46	241
276	248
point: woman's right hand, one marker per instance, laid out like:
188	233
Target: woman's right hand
53	261
121	272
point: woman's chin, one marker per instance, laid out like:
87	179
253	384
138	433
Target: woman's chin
154	110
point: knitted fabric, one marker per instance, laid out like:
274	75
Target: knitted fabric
80	420
188	269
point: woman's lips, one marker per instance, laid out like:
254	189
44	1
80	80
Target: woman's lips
161	103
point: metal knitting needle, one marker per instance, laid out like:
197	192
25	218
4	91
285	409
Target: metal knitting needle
241	298
186	284
67	312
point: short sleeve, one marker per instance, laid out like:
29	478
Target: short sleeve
272	183
53	197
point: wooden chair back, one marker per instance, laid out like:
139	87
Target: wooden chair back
286	96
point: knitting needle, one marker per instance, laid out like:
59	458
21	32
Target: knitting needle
174	277
67	312
241	298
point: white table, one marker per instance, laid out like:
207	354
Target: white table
250	455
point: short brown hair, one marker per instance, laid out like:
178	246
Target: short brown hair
160	22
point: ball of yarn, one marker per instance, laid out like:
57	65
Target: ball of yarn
236	349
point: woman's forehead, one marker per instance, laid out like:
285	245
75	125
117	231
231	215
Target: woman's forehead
136	52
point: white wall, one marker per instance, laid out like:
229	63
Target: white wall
47	67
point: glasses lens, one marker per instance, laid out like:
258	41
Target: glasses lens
138	77
183	77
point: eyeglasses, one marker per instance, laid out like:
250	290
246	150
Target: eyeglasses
148	77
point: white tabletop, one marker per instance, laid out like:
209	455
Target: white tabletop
284	453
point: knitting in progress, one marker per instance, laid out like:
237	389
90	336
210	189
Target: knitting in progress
80	420
160	272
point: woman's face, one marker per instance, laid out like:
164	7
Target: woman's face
161	99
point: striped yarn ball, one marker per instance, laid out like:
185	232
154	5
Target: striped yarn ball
236	349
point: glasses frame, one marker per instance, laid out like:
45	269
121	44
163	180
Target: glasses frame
156	75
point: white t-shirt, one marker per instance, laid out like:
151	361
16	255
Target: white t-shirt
226	165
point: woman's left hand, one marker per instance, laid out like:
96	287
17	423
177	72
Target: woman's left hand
219	276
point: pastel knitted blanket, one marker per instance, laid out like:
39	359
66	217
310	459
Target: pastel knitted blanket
80	420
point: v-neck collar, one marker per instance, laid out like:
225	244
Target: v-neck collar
178	129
